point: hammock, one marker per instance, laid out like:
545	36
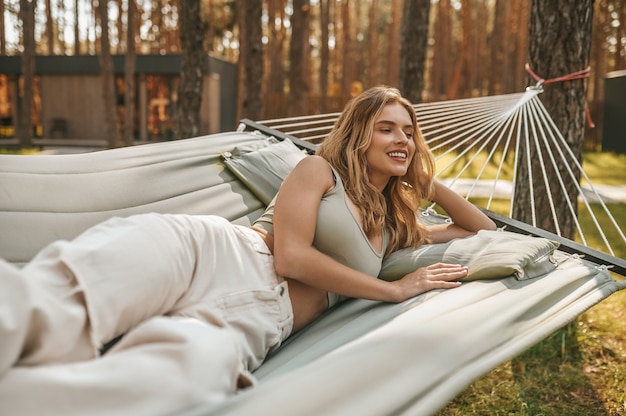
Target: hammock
361	357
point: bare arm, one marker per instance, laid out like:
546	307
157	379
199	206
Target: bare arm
295	217
467	218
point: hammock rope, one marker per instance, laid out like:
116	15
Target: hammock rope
467	136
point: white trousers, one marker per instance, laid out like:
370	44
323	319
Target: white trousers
197	300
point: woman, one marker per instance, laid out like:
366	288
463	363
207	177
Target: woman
200	302
378	155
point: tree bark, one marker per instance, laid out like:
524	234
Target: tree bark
373	49
3	38
76	29
393	60
298	59
413	49
442	62
27	15
253	50
49	31
347	56
109	95
324	55
276	47
192	69
129	75
560	43
498	49
519	43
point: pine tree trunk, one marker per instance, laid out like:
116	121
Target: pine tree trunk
298	62
393	60
347	58
3	38
192	69
253	92
413	49
498	49
560	43
76	29
276	46
374	56
129	75
324	55
519	49
442	67
49	32
25	131
108	80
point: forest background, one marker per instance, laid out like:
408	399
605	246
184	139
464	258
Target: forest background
300	57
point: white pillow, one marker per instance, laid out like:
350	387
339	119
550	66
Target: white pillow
488	254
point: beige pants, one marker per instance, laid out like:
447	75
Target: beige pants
197	299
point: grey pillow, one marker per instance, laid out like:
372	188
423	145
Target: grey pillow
488	254
263	168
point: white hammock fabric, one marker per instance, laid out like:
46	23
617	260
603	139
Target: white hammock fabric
474	131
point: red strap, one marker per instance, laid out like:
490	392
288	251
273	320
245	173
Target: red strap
584	73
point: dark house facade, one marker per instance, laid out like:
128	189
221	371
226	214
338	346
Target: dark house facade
69	104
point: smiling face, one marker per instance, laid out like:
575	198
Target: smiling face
392	147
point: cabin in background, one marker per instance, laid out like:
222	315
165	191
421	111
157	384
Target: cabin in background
68	103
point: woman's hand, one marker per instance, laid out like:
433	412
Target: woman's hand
424	279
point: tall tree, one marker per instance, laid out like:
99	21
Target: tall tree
349	51
49	29
298	59
27	15
373	49
276	47
3	38
192	69
413	49
324	54
107	75
76	28
251	50
499	55
395	29
518	46
442	56
560	43
129	75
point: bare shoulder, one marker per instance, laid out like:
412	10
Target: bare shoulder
314	162
313	170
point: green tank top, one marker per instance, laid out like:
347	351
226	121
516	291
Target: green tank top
338	234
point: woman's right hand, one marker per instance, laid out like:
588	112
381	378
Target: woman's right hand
424	279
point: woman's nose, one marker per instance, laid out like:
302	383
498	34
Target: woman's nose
401	137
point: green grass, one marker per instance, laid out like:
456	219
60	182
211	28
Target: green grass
29	151
580	370
605	168
601	167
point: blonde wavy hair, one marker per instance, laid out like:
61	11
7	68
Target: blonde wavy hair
396	207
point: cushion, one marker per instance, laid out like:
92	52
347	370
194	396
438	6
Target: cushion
428	216
488	254
263	167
